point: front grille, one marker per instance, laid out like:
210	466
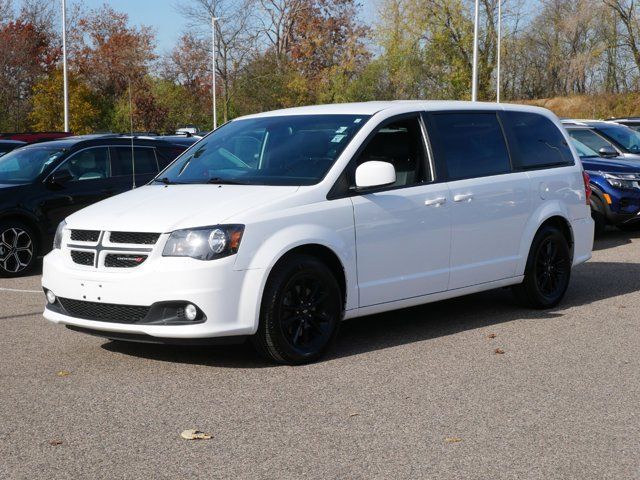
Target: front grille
82	258
85	235
138	238
117	260
104	312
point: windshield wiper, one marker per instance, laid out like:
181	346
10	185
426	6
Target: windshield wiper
224	181
165	180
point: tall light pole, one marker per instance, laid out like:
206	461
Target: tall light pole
213	69
474	71
499	51
65	80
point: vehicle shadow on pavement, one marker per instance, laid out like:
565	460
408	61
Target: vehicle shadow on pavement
614	238
590	283
222	356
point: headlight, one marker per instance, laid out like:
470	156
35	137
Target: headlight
206	243
57	240
622	180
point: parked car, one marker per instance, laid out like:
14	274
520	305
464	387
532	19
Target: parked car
34	137
7	145
615	186
631	122
609	139
42	183
279	225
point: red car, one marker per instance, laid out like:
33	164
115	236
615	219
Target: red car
33	137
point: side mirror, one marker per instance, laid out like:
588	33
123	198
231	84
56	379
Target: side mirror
608	152
375	174
60	177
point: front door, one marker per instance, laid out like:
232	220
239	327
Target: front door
402	231
90	181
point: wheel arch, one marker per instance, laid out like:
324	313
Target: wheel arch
553	214
324	254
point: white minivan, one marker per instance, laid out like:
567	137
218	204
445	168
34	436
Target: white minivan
278	226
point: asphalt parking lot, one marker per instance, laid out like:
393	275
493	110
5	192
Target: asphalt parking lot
419	393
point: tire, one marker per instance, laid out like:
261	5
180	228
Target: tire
18	249
301	311
548	270
599	220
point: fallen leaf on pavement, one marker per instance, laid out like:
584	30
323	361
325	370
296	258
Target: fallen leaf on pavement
453	440
55	442
498	351
63	373
492	335
194	435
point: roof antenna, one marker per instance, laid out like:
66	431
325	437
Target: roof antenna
133	163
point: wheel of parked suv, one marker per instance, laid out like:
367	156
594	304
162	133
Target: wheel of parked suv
599	220
548	270
301	311
18	249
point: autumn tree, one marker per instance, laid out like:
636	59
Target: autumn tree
85	112
26	55
108	53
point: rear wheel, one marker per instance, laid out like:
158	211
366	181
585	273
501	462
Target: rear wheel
18	249
301	311
548	270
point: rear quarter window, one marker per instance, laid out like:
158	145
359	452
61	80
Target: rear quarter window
537	141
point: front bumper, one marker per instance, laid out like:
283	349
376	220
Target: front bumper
214	287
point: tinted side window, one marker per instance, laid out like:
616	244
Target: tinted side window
166	155
401	144
590	139
89	164
538	142
471	144
145	159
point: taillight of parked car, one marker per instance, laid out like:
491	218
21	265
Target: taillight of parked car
587	187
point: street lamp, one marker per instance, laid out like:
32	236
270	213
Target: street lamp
64	66
213	68
474	71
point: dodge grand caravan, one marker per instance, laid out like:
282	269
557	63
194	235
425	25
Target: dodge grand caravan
279	225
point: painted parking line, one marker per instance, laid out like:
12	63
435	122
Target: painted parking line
18	290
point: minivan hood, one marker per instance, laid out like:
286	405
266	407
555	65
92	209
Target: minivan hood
165	208
611	166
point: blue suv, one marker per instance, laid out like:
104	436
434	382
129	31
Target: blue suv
615	185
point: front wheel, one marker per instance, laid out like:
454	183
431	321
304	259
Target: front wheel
18	249
301	311
548	270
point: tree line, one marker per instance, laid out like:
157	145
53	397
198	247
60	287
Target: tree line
282	53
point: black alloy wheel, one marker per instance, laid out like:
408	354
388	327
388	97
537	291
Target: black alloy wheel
18	249
301	311
551	267
548	270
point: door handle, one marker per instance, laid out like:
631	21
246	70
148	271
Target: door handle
461	197
435	201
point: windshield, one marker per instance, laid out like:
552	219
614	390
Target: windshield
625	137
583	150
25	164
282	150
